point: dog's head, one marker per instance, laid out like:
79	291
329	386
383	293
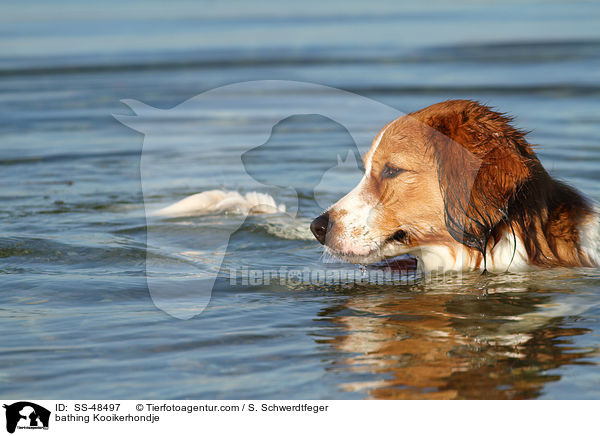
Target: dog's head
437	179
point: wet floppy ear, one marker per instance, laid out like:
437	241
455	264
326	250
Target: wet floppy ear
479	168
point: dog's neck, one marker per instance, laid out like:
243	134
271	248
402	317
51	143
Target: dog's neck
558	227
550	219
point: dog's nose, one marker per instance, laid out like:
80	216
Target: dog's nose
319	227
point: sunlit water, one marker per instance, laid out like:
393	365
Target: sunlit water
77	316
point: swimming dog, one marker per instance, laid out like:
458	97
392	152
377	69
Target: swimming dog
458	187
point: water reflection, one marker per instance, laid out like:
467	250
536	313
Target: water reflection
495	339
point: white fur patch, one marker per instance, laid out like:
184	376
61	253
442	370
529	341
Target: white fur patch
439	258
374	146
504	256
356	221
590	237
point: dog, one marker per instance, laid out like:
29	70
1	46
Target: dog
458	187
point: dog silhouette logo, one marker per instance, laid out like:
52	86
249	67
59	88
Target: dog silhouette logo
276	109
26	415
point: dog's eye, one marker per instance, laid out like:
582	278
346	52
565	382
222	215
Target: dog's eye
389	172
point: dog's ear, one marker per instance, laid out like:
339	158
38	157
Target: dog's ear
482	162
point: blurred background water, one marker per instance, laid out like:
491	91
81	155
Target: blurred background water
78	318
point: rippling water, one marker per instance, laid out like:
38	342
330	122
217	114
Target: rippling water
74	302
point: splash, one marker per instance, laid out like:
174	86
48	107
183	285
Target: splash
217	201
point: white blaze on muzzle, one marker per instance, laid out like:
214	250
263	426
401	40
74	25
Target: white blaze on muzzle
351	223
352	217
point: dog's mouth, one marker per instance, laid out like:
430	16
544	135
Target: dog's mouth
391	253
398	262
404	262
399	236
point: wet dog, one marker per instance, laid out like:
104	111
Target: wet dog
459	188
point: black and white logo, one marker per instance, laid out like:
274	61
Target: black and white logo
26	415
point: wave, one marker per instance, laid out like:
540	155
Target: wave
510	52
275	222
289	228
217	201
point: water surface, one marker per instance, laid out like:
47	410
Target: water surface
78	318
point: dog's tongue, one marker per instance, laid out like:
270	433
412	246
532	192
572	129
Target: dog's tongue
401	263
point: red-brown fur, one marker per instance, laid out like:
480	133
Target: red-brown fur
456	186
492	182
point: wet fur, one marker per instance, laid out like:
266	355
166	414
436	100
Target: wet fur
471	195
512	192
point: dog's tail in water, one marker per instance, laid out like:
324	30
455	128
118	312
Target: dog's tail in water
217	201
